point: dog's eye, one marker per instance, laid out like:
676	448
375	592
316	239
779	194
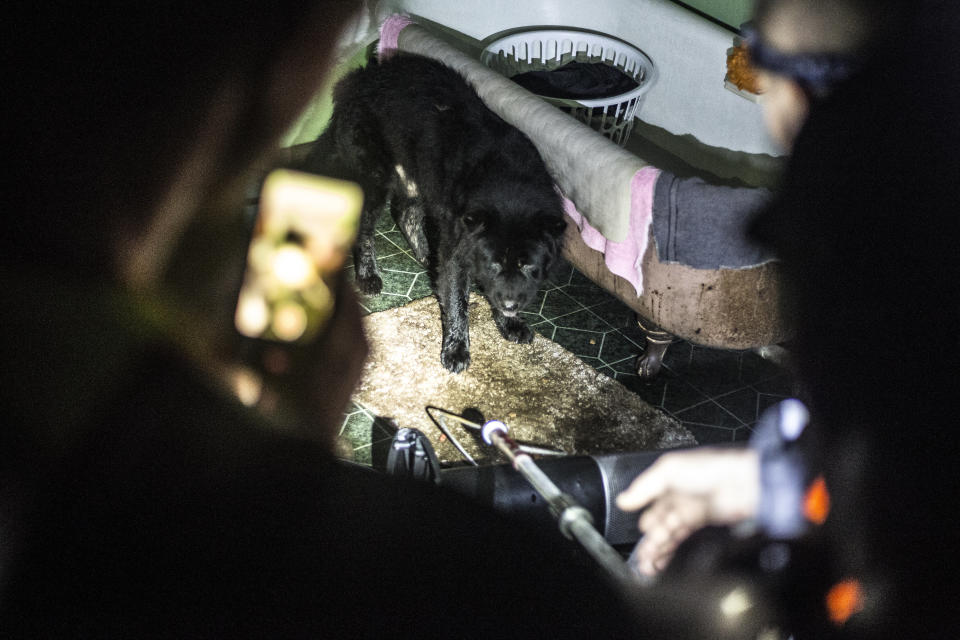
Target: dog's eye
473	219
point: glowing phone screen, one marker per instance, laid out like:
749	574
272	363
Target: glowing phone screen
305	227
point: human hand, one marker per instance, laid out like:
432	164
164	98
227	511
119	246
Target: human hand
686	490
310	385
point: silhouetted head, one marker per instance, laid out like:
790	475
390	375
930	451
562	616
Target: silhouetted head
803	49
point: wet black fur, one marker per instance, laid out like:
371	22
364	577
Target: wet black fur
485	211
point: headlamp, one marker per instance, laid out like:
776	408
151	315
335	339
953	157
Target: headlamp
816	72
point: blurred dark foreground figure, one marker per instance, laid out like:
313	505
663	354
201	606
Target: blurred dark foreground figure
866	228
138	496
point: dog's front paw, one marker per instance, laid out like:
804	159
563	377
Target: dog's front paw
369	285
515	330
455	357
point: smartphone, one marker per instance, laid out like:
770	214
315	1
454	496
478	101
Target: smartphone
305	226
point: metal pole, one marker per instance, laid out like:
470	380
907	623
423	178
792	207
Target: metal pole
575	521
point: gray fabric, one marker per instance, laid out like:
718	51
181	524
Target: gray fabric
705	226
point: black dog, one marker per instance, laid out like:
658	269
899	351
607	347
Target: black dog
470	192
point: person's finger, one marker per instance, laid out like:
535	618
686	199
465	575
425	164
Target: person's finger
694	470
649	485
666	524
675	511
687	513
655	552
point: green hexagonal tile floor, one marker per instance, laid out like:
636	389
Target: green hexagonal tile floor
716	394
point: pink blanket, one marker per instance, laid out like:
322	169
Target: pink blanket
622	258
390	33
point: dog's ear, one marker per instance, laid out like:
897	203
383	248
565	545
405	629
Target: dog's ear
552	227
551	224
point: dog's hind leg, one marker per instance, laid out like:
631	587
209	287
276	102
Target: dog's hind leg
368	279
335	154
408	213
453	288
513	329
361	156
352	148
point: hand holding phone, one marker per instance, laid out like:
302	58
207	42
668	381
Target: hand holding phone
305	227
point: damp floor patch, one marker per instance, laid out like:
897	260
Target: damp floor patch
544	393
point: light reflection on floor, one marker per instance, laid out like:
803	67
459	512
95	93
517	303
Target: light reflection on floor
716	394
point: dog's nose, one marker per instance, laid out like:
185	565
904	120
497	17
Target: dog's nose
510	305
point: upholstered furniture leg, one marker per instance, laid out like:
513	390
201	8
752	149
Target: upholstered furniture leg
649	362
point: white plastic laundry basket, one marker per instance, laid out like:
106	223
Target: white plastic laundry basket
547	49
